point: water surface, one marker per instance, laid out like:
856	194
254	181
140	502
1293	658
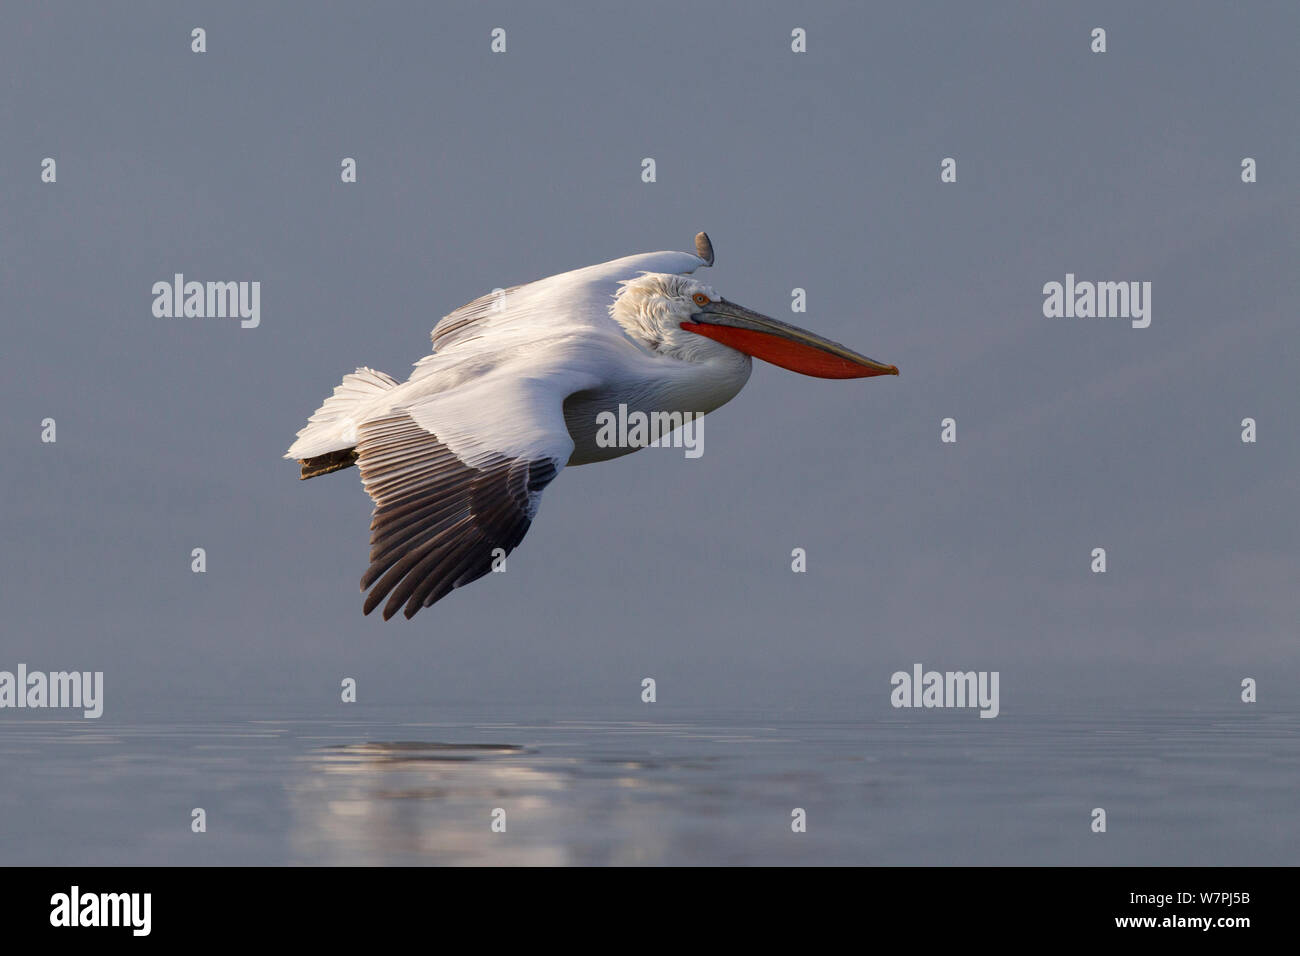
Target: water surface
1210	787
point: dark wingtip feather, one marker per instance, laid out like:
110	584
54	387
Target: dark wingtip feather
704	248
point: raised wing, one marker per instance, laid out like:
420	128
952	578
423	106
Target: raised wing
457	478
582	293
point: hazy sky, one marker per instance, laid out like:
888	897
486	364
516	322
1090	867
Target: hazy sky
816	170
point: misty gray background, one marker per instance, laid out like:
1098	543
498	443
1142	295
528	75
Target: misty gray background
819	171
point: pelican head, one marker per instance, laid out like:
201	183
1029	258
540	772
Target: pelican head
685	318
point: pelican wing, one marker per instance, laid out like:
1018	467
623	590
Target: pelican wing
457	477
580	294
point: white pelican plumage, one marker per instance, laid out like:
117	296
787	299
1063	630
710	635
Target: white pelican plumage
456	457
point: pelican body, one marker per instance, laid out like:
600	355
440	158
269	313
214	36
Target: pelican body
456	457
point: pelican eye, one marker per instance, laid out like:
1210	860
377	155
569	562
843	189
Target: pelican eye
700	298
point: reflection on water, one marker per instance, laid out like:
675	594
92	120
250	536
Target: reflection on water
931	788
409	801
417	802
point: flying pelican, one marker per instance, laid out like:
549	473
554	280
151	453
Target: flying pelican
456	457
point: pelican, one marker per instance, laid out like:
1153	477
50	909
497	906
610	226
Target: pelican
456	457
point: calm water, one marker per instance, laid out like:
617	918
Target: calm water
916	788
